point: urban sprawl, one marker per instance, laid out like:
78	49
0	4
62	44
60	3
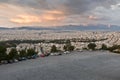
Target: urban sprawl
44	42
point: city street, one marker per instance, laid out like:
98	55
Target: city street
87	65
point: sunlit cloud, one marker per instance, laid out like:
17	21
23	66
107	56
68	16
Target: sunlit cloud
48	17
25	19
92	17
53	16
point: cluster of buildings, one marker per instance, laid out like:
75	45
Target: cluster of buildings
101	37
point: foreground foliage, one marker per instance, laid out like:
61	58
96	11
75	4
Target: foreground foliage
15	55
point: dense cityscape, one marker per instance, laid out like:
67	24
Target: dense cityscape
44	43
79	39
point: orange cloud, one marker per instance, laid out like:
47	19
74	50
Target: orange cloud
48	17
92	17
53	15
25	19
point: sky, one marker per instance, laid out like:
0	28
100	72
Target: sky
16	13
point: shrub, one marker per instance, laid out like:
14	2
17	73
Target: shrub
54	49
104	47
68	46
65	48
31	52
23	53
71	48
114	47
13	54
2	53
92	46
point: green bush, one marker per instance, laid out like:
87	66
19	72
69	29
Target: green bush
104	47
71	48
54	49
92	46
2	53
114	47
65	48
13	54
23	53
31	52
68	46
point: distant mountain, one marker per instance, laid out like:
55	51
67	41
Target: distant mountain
26	28
2	28
90	27
68	27
33	28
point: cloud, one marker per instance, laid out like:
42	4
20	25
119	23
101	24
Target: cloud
25	19
38	4
91	17
50	12
73	7
46	18
68	6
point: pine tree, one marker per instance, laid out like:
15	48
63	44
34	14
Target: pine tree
13	54
2	53
54	49
92	46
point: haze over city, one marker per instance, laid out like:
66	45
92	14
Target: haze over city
17	13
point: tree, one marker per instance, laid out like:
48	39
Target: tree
68	42
13	54
65	48
31	52
71	48
2	53
104	47
54	49
68	46
114	47
23	53
92	46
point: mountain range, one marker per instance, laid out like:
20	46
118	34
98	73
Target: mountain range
67	27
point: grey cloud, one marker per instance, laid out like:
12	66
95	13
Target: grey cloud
79	5
70	7
82	6
37	4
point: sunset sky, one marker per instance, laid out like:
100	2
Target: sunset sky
15	13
